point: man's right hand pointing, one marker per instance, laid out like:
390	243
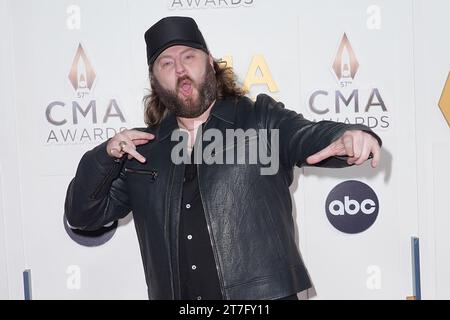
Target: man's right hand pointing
357	145
125	142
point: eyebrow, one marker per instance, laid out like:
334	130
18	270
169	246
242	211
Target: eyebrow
162	56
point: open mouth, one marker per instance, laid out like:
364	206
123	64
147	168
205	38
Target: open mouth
186	88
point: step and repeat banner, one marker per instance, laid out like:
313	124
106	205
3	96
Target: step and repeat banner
76	72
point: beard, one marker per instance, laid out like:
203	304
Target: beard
189	107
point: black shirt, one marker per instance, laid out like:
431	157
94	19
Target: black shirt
198	272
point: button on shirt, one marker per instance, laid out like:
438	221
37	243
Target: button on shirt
198	272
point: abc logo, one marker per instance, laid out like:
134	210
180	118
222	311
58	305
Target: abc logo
91	238
352	206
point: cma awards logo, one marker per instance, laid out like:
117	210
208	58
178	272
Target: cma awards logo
208	4
352	207
349	104
82	118
444	101
345	64
82	75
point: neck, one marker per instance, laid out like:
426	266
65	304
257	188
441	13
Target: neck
191	124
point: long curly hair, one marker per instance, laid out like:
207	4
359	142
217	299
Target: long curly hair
227	87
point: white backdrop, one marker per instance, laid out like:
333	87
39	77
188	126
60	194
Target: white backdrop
398	56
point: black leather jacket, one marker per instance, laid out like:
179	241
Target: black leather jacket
249	215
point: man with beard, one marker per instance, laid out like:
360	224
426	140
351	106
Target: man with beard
208	231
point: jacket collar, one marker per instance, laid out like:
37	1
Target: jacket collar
223	109
168	125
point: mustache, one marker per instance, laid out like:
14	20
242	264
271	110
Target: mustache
182	79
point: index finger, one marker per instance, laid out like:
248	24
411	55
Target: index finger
136	134
321	155
139	157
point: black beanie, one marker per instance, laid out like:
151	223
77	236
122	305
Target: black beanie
172	31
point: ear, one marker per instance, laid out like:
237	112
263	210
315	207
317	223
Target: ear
211	60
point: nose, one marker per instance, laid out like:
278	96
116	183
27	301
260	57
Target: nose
179	67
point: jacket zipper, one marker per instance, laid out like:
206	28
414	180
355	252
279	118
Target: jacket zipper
208	225
173	284
219	274
153	174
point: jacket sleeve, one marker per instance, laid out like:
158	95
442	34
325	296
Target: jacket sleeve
96	195
298	137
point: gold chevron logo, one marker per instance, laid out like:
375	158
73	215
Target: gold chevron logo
444	101
81	75
345	64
